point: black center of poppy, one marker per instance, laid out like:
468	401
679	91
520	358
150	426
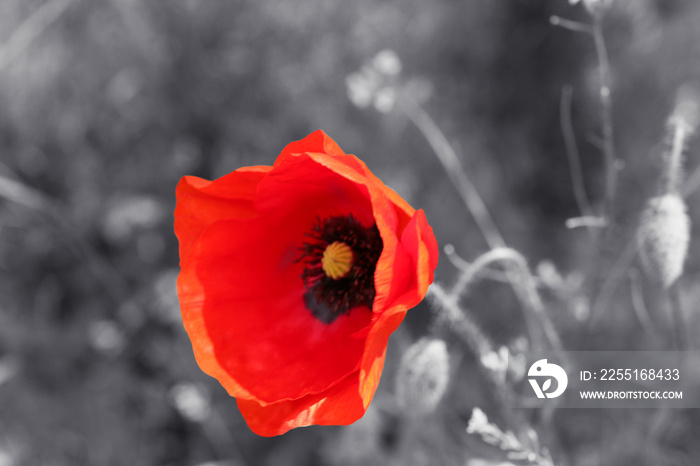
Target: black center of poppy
339	258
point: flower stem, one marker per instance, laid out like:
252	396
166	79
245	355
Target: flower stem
525	287
457	319
459	178
680	320
572	153
30	30
570	25
611	162
672	167
638	305
516	269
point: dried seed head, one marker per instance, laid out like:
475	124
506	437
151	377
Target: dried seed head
423	375
663	237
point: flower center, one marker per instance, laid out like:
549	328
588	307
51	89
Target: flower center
337	260
339	257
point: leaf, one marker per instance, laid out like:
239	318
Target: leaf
546	385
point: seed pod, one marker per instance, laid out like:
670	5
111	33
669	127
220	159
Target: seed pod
663	237
423	375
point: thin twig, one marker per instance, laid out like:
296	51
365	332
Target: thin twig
570	25
459	321
30	30
468	274
640	309
455	258
470	334
572	152
611	163
673	168
525	288
487	273
611	281
588	222
455	172
497	255
680	319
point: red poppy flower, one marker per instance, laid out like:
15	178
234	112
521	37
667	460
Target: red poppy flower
292	279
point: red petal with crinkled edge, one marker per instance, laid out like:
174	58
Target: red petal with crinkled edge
339	405
242	295
200	203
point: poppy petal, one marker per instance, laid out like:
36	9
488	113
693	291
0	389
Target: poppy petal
339	405
200	202
419	240
311	188
191	294
318	141
417	251
276	337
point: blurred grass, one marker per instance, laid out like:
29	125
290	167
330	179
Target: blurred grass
105	105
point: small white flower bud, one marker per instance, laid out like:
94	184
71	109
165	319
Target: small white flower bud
478	423
387	62
423	375
663	236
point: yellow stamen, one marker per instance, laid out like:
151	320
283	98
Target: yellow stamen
337	260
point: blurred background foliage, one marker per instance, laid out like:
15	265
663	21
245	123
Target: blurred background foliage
105	105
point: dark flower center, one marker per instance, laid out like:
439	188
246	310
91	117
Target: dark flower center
339	258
